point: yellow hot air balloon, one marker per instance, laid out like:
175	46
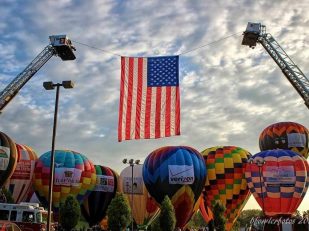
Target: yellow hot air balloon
74	175
145	209
226	180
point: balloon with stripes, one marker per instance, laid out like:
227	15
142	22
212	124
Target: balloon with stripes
278	180
20	183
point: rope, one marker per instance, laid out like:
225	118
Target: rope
105	51
185	52
208	44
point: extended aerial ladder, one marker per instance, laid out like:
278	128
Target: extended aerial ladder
256	33
60	45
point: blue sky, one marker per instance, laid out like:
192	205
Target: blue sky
229	93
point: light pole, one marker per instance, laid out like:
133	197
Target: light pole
51	86
131	162
260	164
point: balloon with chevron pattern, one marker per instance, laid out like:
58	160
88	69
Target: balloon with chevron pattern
285	135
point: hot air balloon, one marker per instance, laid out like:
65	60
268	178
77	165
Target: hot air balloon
226	180
20	183
95	205
104	223
285	135
8	158
178	172
278	180
205	211
195	211
145	209
74	175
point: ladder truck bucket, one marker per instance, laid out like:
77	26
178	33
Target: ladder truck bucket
251	34
63	47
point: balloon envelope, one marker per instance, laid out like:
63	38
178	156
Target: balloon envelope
278	180
145	209
8	157
94	207
74	175
205	211
226	180
178	172
20	183
285	135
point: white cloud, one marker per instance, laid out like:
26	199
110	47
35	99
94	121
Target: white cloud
229	93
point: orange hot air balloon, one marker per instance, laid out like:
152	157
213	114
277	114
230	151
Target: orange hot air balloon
278	180
285	135
20	183
145	209
8	157
104	223
205	211
226	180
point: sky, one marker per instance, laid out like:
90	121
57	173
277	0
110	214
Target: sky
229	93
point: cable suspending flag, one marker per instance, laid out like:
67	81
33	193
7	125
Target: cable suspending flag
149	98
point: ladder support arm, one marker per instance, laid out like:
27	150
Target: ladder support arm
291	71
20	80
256	33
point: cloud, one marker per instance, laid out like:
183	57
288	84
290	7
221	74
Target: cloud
229	93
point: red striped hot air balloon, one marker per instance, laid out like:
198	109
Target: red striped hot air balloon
278	180
8	157
285	135
20	183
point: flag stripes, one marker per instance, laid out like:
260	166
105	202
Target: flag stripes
145	112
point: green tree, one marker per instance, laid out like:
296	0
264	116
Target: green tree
167	216
301	221
197	221
119	213
69	213
7	195
246	218
155	225
219	219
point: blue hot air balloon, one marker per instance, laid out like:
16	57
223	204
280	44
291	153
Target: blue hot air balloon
178	172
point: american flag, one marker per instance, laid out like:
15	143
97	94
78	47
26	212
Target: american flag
149	98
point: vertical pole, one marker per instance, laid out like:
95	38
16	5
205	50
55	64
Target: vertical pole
52	161
132	165
260	166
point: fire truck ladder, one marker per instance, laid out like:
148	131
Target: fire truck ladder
60	46
256	32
